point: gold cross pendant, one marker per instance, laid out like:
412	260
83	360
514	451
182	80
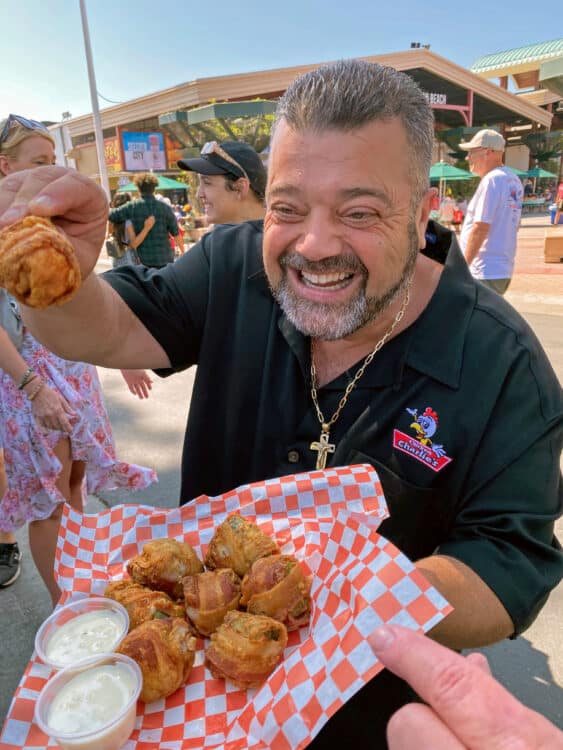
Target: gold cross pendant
323	447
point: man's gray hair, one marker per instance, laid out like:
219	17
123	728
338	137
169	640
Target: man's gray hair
351	93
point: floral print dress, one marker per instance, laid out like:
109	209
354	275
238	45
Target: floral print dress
32	468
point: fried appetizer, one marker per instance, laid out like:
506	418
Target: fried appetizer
38	265
163	564
245	648
209	596
276	586
142	603
165	651
236	544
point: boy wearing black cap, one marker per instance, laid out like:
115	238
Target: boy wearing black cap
232	181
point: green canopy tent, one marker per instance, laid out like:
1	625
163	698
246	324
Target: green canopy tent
445	172
537	173
518	172
164	183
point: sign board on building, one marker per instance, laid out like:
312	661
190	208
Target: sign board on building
434	98
111	152
143	151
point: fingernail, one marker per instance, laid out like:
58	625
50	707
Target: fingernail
43	202
13	214
381	638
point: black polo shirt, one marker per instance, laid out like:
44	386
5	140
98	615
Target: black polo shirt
461	415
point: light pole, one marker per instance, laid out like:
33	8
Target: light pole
94	98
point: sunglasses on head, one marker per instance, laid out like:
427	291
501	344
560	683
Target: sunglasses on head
212	147
24	122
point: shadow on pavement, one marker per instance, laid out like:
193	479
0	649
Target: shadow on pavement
524	670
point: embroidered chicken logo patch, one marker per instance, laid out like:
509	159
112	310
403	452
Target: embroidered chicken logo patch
422	447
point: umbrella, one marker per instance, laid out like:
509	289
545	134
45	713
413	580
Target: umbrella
446	173
518	172
164	183
539	172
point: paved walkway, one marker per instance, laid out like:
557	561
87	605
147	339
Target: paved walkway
537	286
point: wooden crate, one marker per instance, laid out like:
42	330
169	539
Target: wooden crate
553	245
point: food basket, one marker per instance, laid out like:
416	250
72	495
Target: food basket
328	520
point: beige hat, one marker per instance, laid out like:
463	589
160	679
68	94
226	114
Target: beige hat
485	139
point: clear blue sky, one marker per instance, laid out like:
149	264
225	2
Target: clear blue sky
141	46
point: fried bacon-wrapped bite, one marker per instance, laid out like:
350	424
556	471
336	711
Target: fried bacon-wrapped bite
209	596
162	565
236	544
276	586
245	648
142	603
165	651
38	265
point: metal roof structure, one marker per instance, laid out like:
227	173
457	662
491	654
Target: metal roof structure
533	54
489	103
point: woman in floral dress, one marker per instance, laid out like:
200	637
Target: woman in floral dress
54	428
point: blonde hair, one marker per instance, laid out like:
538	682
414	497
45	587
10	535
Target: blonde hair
17	134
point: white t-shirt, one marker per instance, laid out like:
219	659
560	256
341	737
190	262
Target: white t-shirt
498	202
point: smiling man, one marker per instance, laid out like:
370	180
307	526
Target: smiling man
345	329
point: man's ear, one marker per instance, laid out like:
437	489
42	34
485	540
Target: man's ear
422	214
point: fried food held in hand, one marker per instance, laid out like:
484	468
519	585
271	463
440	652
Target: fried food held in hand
38	265
245	648
209	596
162	565
165	651
142	603
236	544
277	587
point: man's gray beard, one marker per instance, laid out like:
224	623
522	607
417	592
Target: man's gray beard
330	322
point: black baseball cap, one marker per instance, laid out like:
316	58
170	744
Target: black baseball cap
246	163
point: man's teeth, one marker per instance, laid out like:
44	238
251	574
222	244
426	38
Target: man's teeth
325	279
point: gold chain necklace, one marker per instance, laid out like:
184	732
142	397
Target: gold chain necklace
322	445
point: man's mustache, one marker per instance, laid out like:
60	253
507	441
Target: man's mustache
337	264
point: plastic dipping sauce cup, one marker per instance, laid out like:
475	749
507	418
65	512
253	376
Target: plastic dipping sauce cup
81	630
92	705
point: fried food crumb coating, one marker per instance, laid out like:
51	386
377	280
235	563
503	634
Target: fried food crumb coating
162	565
38	265
142	603
209	596
165	652
277	587
245	649
236	544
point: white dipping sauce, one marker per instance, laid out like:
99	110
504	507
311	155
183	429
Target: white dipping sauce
83	636
91	700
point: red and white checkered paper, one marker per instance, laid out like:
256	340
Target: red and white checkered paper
328	520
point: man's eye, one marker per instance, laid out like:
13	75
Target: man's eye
360	215
284	210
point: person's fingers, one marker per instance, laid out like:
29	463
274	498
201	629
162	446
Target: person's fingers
477	709
50	191
416	727
64	424
67	407
479	660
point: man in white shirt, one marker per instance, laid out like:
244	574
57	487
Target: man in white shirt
488	236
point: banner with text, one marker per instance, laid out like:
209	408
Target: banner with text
143	151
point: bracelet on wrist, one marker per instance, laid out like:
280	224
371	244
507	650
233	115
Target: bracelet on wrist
27	377
36	390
